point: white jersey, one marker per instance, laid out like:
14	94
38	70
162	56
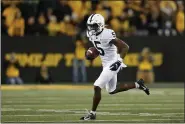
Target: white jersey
108	52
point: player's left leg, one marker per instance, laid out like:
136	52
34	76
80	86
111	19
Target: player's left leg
112	87
124	87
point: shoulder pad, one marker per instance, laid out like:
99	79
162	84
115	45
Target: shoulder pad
108	34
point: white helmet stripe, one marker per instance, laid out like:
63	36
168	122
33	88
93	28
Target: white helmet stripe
91	17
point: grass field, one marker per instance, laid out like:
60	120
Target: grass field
35	104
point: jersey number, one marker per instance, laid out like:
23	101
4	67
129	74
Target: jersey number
99	48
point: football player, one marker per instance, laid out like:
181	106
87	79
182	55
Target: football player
111	50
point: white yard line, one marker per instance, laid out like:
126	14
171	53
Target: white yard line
166	119
17	109
32	115
134	120
79	110
55	102
82	112
140	109
127	104
100	114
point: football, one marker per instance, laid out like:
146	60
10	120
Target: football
92	53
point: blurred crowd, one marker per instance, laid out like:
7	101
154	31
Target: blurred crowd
58	17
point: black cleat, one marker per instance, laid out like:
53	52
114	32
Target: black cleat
89	116
143	87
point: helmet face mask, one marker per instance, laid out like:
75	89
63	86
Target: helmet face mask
93	27
95	24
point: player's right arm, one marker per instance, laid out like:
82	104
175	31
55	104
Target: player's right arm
121	46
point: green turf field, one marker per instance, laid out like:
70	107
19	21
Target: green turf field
36	105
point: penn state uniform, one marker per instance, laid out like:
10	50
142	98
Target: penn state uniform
111	61
108	55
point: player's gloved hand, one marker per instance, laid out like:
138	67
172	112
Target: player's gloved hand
87	57
115	66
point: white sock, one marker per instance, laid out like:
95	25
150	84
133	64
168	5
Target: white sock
137	85
94	112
